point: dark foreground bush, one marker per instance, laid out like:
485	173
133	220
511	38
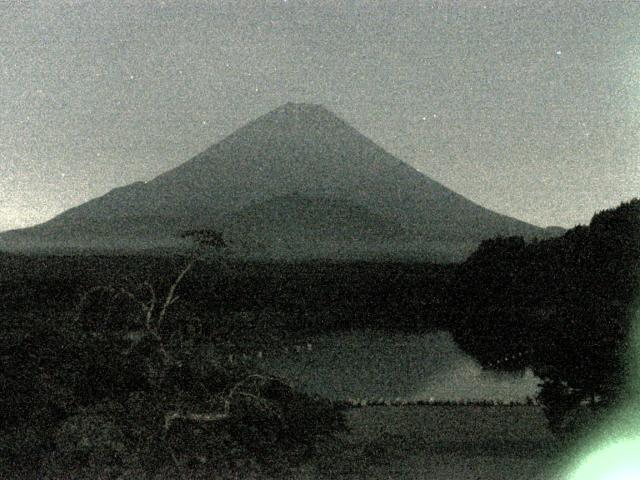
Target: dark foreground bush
80	400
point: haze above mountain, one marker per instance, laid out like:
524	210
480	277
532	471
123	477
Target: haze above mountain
299	182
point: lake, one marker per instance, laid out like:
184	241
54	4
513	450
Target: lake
372	365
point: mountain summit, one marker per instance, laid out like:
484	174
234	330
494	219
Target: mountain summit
294	168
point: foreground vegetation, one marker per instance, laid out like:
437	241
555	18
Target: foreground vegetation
108	363
114	389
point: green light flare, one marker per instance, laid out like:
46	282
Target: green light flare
618	461
613	451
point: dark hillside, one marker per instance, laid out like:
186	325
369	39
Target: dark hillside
302	294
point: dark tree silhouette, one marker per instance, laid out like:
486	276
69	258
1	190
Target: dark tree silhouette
559	306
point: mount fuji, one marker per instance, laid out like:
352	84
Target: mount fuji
296	182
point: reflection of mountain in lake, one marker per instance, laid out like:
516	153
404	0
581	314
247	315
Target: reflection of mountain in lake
376	365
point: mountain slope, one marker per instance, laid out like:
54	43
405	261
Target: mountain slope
300	217
295	149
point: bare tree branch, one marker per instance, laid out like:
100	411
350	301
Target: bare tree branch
226	412
172	290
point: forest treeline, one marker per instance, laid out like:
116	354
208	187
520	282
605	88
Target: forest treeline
299	295
565	307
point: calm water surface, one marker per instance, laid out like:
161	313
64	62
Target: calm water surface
378	365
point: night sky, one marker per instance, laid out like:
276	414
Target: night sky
530	108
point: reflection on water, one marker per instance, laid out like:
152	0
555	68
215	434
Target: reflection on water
379	365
